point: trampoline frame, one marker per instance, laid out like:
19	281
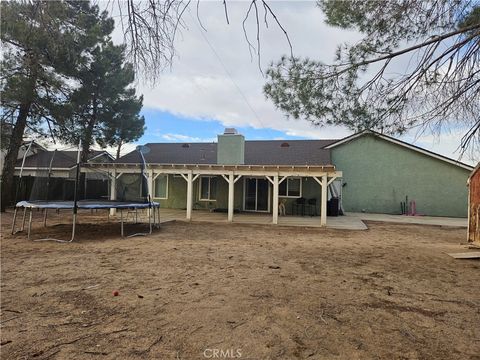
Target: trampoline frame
153	211
153	208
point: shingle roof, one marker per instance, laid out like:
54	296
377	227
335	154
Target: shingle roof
62	159
264	152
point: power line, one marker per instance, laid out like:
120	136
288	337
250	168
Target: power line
229	74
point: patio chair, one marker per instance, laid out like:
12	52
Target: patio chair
311	207
299	204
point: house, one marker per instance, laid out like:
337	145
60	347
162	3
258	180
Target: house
367	171
474	205
51	175
380	171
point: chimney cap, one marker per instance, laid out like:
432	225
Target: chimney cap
230	131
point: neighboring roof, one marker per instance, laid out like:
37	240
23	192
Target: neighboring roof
26	144
62	159
257	152
401	143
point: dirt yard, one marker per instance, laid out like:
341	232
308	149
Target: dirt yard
209	291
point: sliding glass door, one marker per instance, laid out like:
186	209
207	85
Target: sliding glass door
256	192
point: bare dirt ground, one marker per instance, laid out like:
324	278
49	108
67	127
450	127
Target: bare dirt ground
200	291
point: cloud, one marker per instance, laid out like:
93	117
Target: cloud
448	144
214	76
185	138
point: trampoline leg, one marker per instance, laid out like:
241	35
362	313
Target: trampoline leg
136	216
73	226
121	222
29	224
150	219
156	218
23	220
14	220
45	218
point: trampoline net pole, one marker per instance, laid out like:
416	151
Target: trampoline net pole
76	188
19	184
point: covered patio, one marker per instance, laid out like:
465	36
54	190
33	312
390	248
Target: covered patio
323	176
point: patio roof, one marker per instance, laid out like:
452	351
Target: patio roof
275	174
213	169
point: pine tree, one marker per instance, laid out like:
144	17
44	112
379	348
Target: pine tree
126	125
416	66
104	110
42	41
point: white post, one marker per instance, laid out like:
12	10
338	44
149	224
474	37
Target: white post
323	210
231	185
189	195
275	199
113	190
150	185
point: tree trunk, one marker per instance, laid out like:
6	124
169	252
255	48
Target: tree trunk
7	187
118	149
86	143
8	173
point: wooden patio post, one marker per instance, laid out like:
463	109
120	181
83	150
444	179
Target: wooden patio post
150	184
113	190
189	195
275	199
231	185
323	210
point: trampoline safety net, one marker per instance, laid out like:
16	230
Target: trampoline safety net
58	180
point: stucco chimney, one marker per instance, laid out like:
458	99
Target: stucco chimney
231	148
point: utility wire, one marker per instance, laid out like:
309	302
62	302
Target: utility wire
229	74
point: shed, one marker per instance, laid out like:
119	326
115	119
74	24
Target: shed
474	205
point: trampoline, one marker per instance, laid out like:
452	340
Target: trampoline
132	194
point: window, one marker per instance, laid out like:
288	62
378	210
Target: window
208	188
161	187
290	187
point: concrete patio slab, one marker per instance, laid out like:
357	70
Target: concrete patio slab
403	219
340	222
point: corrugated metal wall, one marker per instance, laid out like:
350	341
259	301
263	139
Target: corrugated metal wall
474	203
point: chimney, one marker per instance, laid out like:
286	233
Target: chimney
231	148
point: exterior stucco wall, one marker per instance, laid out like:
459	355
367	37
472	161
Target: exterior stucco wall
177	195
379	174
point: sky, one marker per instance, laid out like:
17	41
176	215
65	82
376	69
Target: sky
214	82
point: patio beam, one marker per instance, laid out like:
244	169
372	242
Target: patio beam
332	179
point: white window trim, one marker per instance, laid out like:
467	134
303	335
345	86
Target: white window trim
289	196
209	185
155	188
